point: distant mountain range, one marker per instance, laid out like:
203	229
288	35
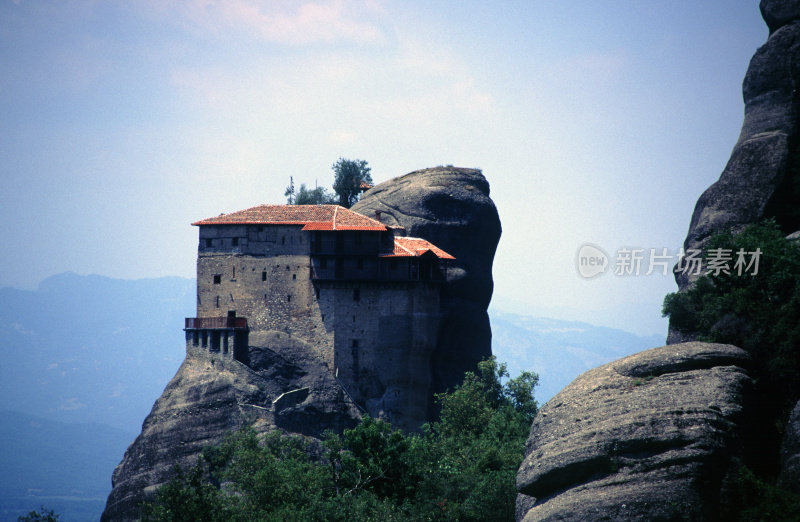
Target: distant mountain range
85	358
85	349
558	351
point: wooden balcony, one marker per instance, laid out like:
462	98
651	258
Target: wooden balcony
215	323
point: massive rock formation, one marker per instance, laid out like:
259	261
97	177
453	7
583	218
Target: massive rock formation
289	389
286	384
653	436
450	207
762	177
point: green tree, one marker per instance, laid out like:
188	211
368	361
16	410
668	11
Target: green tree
188	497
350	175
455	469
316	196
759	312
471	455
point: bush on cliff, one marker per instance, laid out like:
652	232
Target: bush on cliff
758	312
462	467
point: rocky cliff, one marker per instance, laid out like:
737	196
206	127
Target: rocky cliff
287	385
654	436
289	389
660	435
451	207
762	177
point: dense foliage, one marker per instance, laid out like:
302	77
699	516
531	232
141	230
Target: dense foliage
757	312
316	196
349	175
461	467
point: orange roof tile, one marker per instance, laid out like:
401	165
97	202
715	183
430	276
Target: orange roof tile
312	217
414	247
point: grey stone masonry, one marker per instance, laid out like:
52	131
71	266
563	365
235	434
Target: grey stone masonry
369	310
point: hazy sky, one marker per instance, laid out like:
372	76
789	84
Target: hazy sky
594	121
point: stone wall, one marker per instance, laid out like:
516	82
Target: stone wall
274	292
377	338
384	336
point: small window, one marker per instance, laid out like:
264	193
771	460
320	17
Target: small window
356	294
217	279
294	276
236	241
233	274
209	243
287	267
264	275
217	301
283	240
289	298
355	343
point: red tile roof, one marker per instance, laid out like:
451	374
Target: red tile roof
414	247
312	217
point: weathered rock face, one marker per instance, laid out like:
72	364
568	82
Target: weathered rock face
762	177
450	207
652	436
778	13
289	389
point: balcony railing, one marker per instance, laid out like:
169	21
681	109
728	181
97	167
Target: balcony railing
206	323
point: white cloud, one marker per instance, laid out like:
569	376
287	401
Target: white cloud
360	88
285	22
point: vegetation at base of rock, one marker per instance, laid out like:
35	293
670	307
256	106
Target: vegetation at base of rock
759	312
461	467
763	501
